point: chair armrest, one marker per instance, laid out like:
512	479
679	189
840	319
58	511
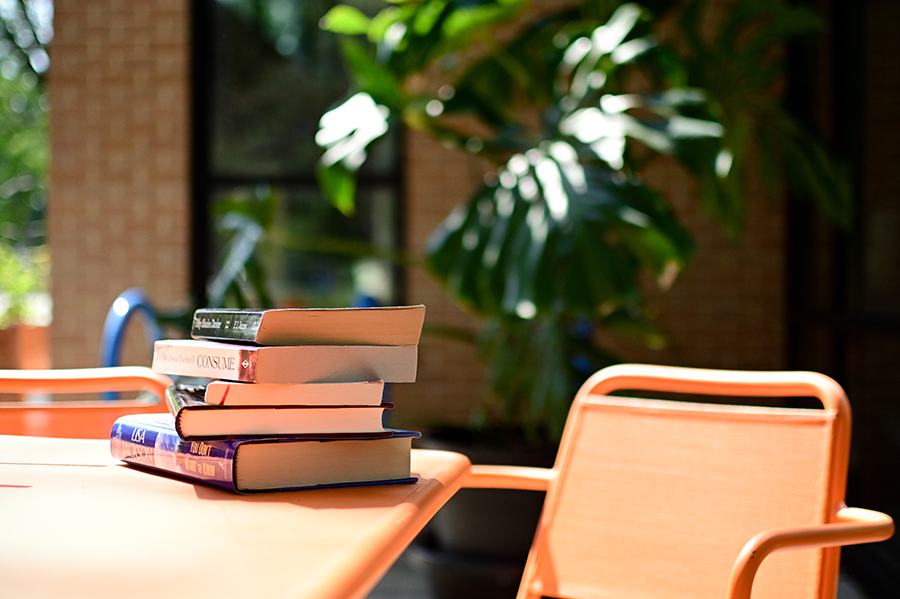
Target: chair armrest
853	526
509	477
85	380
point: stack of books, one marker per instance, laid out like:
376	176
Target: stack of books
289	399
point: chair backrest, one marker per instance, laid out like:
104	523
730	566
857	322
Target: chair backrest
656	498
77	419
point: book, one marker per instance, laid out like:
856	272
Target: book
196	419
232	393
393	325
285	363
257	465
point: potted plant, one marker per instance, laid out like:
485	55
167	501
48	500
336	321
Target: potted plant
24	307
566	106
566	110
24	260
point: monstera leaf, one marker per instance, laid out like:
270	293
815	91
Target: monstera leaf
553	236
567	227
557	242
345	132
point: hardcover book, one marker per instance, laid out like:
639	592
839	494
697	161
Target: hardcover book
284	364
257	465
231	393
196	419
395	325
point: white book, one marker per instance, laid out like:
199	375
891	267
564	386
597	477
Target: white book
232	393
286	363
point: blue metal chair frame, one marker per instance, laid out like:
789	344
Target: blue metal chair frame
128	303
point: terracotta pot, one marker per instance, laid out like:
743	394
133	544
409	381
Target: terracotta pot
24	347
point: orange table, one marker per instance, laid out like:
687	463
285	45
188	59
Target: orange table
76	523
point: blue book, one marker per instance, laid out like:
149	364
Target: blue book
259	465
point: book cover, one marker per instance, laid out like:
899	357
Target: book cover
285	364
258	465
232	393
392	325
196	419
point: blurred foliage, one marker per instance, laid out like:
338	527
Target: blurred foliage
23	159
24	29
24	279
570	107
741	67
241	221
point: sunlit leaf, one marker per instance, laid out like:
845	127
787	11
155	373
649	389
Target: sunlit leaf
428	16
463	24
346	132
555	235
346	20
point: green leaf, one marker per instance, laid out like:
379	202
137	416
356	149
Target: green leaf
382	22
346	132
428	16
24	275
434	29
345	20
556	235
372	77
339	186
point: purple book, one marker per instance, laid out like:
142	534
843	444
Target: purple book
263	464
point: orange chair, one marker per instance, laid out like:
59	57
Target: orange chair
660	498
77	419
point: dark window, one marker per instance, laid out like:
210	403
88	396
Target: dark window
264	73
845	296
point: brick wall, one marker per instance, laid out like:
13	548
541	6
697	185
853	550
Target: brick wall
119	209
118	191
727	309
450	378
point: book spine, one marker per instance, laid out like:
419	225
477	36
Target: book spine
225	362
210	463
175	400
238	325
225	393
